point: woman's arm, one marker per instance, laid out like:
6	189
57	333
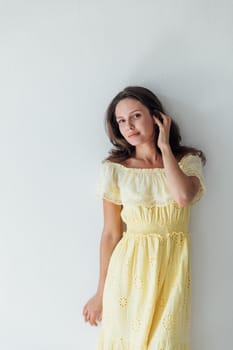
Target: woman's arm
182	187
111	234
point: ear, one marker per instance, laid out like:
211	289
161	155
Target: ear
154	119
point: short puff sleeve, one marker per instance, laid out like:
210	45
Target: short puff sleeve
107	184
191	165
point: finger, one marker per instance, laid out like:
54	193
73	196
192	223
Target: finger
157	121
84	310
100	317
164	115
96	318
93	321
166	119
87	317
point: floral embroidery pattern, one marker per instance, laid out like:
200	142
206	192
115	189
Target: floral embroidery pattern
136	324
123	301
147	289
169	321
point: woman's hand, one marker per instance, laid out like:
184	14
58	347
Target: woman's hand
164	130
92	311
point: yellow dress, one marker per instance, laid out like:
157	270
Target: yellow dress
146	298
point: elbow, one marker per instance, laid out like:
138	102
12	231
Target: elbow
111	235
187	197
186	200
183	201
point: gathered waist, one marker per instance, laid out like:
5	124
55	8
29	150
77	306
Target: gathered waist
155	229
164	235
155	234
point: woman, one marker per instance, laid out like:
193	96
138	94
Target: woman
148	184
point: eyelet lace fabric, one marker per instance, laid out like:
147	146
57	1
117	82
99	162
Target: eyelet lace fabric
146	299
146	187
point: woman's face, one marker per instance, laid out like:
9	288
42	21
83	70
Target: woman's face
135	121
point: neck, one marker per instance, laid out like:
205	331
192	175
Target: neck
147	153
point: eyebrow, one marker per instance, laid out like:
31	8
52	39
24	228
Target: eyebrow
135	110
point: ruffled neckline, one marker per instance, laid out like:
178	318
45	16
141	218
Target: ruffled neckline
143	169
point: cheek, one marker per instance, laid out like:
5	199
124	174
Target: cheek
149	126
121	129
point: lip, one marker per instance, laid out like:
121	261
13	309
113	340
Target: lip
135	134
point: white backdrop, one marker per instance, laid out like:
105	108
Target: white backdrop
61	63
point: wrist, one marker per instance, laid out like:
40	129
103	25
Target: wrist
165	149
99	294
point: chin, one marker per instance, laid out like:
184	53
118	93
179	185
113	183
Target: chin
134	143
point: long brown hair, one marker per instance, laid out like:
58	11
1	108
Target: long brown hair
122	149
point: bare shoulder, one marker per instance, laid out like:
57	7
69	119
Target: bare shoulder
135	163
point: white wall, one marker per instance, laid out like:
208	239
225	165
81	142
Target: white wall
61	63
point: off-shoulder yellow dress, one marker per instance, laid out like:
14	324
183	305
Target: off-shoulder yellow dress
146	300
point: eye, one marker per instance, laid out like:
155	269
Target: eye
120	121
137	115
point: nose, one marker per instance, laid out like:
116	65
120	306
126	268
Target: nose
129	125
